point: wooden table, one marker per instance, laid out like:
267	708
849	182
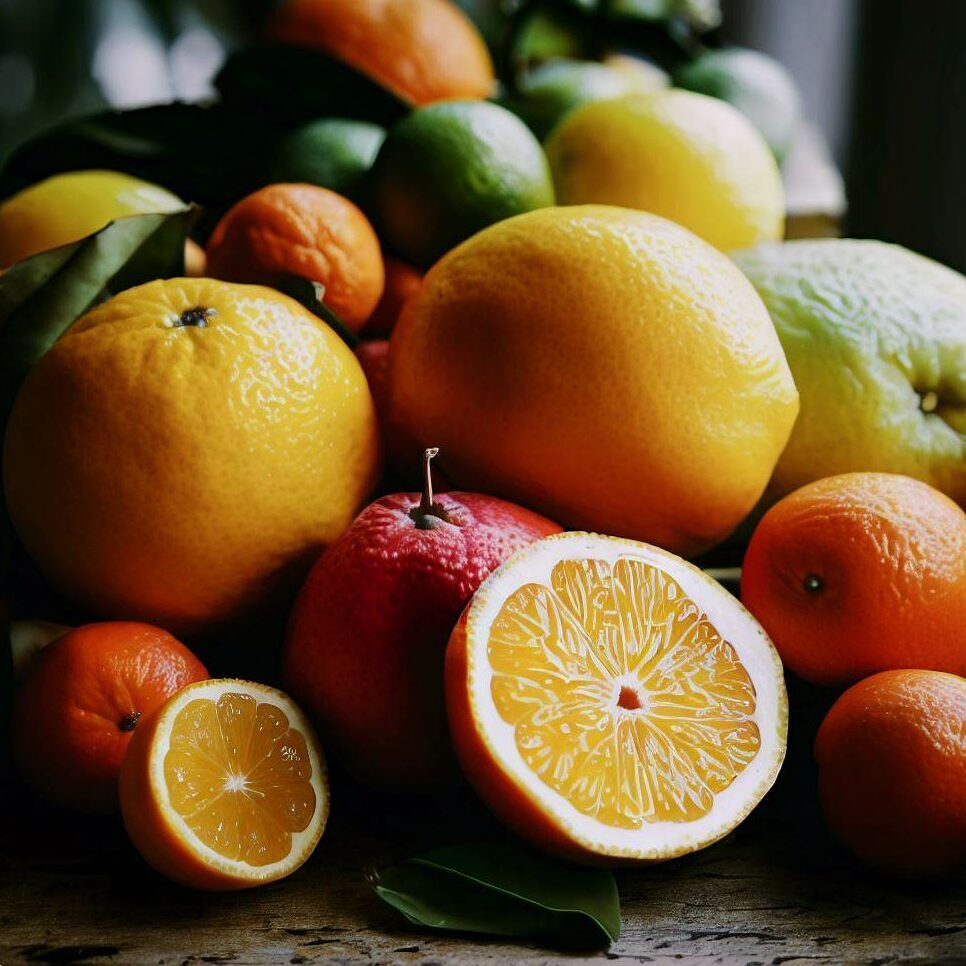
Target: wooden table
778	891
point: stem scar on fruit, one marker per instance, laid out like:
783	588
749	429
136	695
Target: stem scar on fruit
197	317
429	514
129	721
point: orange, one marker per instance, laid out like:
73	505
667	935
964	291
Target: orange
892	772
185	452
608	700
860	573
402	281
84	697
225	787
421	50
303	230
603	366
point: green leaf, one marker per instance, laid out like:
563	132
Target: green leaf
700	14
212	155
504	889
41	297
311	295
292	85
28	639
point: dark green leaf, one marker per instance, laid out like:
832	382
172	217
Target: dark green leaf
41	297
700	14
292	85
311	295
211	155
504	889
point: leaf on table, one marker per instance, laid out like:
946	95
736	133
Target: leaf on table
42	296
298	84
504	889
311	295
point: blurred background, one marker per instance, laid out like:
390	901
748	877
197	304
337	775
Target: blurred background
882	86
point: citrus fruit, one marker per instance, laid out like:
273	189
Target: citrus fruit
860	573
758	85
647	76
82	700
70	206
187	449
631	380
876	339
331	153
367	638
421	50
225	787
373	356
448	170
402	280
307	231
551	91
610	701
691	158
892	772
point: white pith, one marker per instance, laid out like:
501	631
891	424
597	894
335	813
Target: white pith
659	839
302	842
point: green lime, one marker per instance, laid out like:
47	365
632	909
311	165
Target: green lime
755	83
551	91
331	153
450	169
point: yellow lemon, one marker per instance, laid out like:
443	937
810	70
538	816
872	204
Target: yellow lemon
601	365
691	158
67	207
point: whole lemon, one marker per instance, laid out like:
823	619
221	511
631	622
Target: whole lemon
603	366
691	158
67	207
184	453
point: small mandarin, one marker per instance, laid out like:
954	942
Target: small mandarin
859	573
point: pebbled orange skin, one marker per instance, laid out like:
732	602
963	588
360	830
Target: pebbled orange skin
303	230
421	50
892	772
67	735
365	646
891	553
402	281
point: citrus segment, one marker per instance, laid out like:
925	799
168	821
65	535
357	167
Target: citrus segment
227	788
621	692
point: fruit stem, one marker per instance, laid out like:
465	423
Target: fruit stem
429	513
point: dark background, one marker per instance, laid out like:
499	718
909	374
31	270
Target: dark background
884	80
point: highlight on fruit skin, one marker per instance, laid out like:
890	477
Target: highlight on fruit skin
859	573
612	703
891	759
225	787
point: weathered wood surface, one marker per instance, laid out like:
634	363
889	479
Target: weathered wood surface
776	892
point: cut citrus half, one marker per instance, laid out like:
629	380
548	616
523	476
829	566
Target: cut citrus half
608	699
225	787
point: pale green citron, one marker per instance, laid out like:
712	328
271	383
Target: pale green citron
67	207
875	336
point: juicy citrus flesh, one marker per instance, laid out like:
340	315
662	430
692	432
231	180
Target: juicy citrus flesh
609	700
239	774
623	696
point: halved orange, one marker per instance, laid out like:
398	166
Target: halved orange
225	787
610	701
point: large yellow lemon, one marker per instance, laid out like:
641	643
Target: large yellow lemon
185	452
601	365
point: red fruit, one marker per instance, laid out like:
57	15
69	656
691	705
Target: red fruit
374	359
365	647
402	280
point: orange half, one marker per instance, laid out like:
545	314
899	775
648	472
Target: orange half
225	787
610	700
